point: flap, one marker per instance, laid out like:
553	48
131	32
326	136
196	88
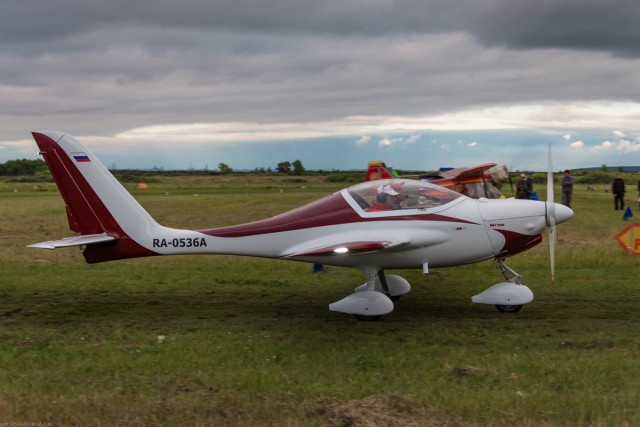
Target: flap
345	244
346	248
361	242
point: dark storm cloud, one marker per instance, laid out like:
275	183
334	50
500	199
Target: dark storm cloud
591	24
573	24
610	26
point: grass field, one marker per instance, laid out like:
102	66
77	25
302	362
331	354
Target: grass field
234	341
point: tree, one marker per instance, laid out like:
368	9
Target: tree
22	167
595	177
298	169
284	167
224	168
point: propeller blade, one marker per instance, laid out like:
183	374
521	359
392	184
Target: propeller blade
551	216
513	193
552	250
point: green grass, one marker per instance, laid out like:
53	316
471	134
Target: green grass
252	342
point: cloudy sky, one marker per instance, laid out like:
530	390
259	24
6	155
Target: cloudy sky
334	83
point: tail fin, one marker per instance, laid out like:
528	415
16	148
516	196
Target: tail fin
378	170
98	207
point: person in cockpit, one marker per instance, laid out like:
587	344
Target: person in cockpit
388	197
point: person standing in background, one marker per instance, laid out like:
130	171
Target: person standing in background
529	183
521	185
567	188
617	188
524	187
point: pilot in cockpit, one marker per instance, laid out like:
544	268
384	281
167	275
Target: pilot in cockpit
388	197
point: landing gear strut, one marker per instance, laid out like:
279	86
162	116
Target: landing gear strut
516	278
504	269
371	282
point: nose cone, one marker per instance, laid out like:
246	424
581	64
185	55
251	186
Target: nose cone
561	213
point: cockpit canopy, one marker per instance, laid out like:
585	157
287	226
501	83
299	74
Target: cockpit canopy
412	194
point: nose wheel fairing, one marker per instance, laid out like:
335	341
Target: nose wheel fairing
509	296
505	294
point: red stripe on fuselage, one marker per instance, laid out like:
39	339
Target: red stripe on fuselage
516	242
330	210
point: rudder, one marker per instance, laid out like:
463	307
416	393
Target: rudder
85	211
87	187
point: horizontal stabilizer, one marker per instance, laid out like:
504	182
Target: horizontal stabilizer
89	239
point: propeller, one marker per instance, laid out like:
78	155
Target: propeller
551	216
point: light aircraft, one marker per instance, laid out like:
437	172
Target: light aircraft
422	226
483	180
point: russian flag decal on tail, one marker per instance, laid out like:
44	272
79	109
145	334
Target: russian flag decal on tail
81	157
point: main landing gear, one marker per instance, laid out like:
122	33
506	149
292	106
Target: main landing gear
509	296
375	298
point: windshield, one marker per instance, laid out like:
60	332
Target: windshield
393	194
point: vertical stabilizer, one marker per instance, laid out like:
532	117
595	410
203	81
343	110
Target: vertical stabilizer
96	203
378	170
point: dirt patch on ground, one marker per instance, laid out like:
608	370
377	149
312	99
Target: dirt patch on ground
470	371
388	410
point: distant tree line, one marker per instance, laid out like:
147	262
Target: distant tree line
25	167
601	175
594	177
31	167
22	167
288	168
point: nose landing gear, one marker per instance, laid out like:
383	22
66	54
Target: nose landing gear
509	296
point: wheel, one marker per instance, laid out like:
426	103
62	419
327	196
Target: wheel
365	318
509	308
